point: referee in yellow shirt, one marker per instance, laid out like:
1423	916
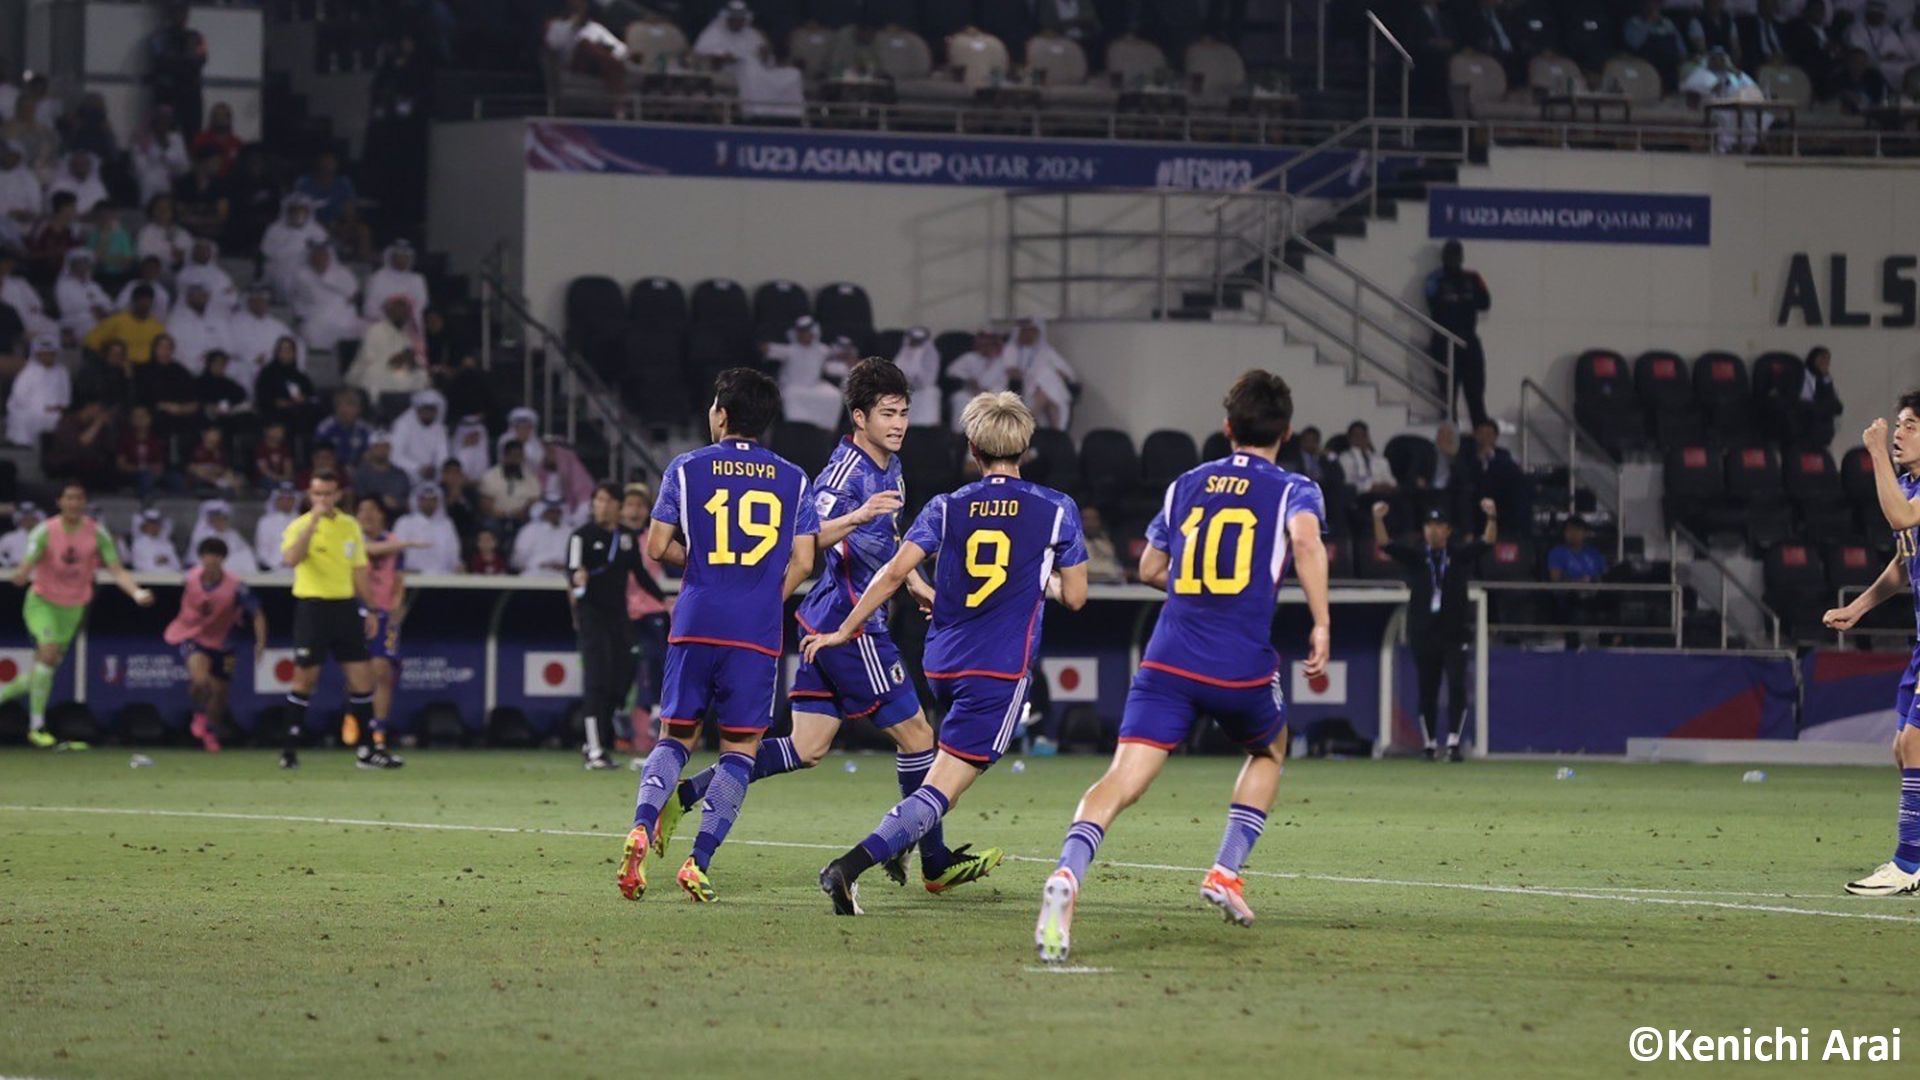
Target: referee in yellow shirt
332	614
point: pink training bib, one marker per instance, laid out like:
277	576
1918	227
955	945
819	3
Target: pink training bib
207	616
64	574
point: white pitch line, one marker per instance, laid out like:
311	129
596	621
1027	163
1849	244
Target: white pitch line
1565	893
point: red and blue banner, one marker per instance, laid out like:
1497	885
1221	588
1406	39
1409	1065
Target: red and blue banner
1569	217
1594	700
581	146
1849	695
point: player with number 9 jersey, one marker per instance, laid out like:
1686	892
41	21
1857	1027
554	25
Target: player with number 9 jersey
997	541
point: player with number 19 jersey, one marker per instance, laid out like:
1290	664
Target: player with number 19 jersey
1223	526
738	507
997	541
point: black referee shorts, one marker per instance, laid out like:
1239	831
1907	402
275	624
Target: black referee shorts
328	627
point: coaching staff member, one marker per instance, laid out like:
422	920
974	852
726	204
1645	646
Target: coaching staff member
602	556
332	614
1437	626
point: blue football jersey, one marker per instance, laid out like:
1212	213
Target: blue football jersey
996	541
738	507
1224	527
849	480
1906	543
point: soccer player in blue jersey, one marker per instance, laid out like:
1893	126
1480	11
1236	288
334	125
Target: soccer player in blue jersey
1220	545
740	519
1003	547
858	499
1896	480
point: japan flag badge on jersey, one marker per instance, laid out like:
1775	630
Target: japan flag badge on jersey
273	675
551	674
1330	688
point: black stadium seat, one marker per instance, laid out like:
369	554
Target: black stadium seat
1604	402
1856	480
1796	588
777	305
1813	483
1696	491
653	380
929	463
803	444
1216	447
1720	393
1776	385
843	309
886	343
1109	467
1755	486
951	345
1164	456
657	304
1660	382
1412	459
721	302
1054	462
1510	559
596	310
711	350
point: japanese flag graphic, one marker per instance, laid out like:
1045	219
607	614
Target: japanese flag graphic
551	674
15	664
1072	678
274	673
1329	688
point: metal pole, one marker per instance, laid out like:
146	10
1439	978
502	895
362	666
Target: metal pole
1320	49
486	323
1673	584
1723	607
1373	65
1066	252
1163	256
1287	30
1573	464
1448	412
1356	330
1526	438
1406	101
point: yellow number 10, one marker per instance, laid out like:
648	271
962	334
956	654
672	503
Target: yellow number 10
767	531
1211	581
989	566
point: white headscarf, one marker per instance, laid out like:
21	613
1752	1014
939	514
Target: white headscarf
441	555
151	554
88	191
239	553
388	282
417	444
718	39
534	446
272	527
472	453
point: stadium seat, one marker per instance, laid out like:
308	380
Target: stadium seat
1216	447
1109	467
1856	481
720	302
886	343
1056	60
1133	60
1054	461
1552	74
1511	559
805	445
808	48
1696	491
657	304
1755	485
1215	67
1813	483
981	58
1721	395
1478	80
1632	77
1660	382
1412	458
595	310
648	40
929	463
904	55
777	305
1604	402
711	350
844	310
1011	21
1370	563
1339	558
1776	385
653	379
1164	456
1796	588
1851	564
1785	82
951	345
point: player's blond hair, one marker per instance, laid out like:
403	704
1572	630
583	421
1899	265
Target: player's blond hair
998	425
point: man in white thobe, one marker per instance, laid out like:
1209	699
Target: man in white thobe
41	392
808	396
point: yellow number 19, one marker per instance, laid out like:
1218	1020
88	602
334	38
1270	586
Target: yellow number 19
767	531
1211	581
989	566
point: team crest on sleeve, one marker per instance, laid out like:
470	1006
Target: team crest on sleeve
898	673
823	504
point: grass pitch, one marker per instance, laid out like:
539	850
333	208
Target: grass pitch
213	917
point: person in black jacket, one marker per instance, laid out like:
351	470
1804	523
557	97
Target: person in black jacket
1455	298
602	556
1437	623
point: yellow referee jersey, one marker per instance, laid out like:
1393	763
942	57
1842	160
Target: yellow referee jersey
337	550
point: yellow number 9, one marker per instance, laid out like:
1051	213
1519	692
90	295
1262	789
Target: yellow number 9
992	569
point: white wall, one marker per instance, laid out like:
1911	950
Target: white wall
477	191
933	255
1551	302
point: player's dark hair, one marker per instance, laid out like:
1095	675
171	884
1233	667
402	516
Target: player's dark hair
872	379
1910	400
612	489
1259	409
73	485
751	400
143	292
212	545
325	476
385	518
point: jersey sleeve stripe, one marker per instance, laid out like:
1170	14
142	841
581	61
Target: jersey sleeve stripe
686	522
1281	542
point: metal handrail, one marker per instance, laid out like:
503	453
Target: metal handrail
582	383
1425	320
1577	438
1677	532
1672	589
1377	31
1381	28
